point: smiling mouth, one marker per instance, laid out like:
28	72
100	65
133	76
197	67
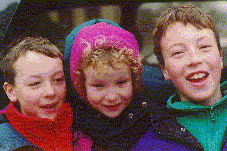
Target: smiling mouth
112	107
198	77
49	106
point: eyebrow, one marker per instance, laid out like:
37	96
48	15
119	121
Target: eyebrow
38	76
58	73
124	78
202	38
197	40
34	76
93	81
177	44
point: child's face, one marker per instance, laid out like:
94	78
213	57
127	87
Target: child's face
192	61
40	85
109	90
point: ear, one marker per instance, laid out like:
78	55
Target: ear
165	73
9	89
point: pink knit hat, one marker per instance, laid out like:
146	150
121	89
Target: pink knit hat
90	37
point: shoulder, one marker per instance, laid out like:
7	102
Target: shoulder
11	139
3	118
152	141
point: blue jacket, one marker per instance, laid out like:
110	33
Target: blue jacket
167	134
11	140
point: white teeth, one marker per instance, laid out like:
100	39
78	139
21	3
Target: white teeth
197	76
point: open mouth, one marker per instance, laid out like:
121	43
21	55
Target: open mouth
198	77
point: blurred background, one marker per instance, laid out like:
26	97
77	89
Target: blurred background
7	10
54	20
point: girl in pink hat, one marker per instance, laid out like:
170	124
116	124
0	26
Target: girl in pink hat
105	69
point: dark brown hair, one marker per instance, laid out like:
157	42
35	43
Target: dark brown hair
36	44
185	14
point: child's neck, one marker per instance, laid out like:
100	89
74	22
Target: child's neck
217	96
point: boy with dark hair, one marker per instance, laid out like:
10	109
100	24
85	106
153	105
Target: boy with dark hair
188	48
37	116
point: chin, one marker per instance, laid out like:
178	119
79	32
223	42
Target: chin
200	99
113	115
49	117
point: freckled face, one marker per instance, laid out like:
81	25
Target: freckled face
192	62
109	90
40	85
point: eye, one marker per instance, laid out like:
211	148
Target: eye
122	82
34	84
177	54
205	48
59	80
98	85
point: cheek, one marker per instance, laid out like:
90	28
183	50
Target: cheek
26	94
127	92
93	97
31	97
216	67
61	90
174	68
215	61
28	101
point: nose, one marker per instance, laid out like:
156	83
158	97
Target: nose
49	90
195	57
111	95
